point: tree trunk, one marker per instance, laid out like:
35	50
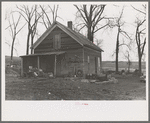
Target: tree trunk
28	39
139	55
117	50
129	64
12	48
32	37
90	35
139	65
117	59
128	68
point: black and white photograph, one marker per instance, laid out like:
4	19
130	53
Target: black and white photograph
74	61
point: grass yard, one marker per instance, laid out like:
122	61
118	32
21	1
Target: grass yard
127	88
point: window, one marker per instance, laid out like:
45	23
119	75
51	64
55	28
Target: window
57	42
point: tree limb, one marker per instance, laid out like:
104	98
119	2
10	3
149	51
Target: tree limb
45	15
79	10
21	28
139	10
100	28
125	34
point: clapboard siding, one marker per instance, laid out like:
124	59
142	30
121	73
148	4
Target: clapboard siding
93	61
73	61
66	42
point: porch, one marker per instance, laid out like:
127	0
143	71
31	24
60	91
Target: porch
48	62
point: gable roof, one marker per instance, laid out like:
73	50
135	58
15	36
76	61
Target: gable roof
82	40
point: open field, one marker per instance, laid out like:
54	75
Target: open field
127	88
110	65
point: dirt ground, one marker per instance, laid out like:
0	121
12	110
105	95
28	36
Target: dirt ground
127	88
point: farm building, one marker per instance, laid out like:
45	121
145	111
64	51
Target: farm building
64	52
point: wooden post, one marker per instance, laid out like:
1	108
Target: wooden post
21	66
38	62
55	66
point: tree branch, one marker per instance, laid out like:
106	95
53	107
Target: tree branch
79	10
21	28
139	10
100	28
125	45
125	34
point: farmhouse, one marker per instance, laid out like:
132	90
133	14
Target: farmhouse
64	52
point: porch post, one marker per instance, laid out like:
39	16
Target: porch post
21	66
38	62
55	66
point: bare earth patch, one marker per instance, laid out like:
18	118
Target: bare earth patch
127	88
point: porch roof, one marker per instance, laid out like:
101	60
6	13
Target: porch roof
47	53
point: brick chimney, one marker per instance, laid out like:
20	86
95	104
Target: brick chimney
70	24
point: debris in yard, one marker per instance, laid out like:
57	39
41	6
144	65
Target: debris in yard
103	77
35	74
50	75
92	80
102	82
111	80
85	80
91	76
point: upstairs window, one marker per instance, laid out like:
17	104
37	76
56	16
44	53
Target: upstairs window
57	42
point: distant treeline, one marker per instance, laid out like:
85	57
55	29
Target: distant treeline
122	64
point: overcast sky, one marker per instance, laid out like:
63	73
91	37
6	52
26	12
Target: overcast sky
67	12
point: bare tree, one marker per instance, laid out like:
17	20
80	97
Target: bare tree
50	15
14	31
117	22
140	43
37	16
127	56
140	35
31	16
91	17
